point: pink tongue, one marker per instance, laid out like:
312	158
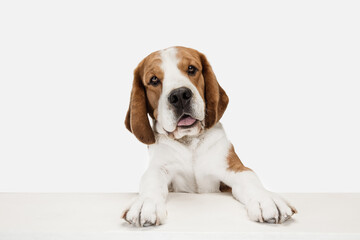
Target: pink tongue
187	121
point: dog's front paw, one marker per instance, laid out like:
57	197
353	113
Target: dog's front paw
269	207
145	212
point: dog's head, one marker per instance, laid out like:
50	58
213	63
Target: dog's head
178	88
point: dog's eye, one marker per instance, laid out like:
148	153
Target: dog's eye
191	70
154	81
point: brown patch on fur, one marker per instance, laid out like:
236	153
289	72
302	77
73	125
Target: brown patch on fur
224	188
144	99
152	68
214	96
234	162
187	57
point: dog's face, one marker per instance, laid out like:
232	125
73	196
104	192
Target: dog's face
178	89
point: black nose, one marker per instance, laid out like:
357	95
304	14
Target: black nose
180	97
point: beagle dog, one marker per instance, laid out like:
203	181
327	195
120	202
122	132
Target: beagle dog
188	148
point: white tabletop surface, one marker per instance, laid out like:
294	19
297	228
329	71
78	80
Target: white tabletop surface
190	216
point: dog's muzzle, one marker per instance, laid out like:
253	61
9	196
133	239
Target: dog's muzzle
180	99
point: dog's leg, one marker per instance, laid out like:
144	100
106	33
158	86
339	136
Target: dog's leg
261	204
149	207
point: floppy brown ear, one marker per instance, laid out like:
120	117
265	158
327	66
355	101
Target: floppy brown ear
215	97
136	120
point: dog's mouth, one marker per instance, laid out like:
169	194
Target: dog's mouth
186	121
186	125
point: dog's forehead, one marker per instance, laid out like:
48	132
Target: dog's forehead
151	61
171	58
175	57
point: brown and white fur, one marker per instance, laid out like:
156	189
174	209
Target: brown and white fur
196	157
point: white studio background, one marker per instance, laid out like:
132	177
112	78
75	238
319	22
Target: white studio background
290	68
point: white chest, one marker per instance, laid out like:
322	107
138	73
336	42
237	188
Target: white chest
195	166
191	174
